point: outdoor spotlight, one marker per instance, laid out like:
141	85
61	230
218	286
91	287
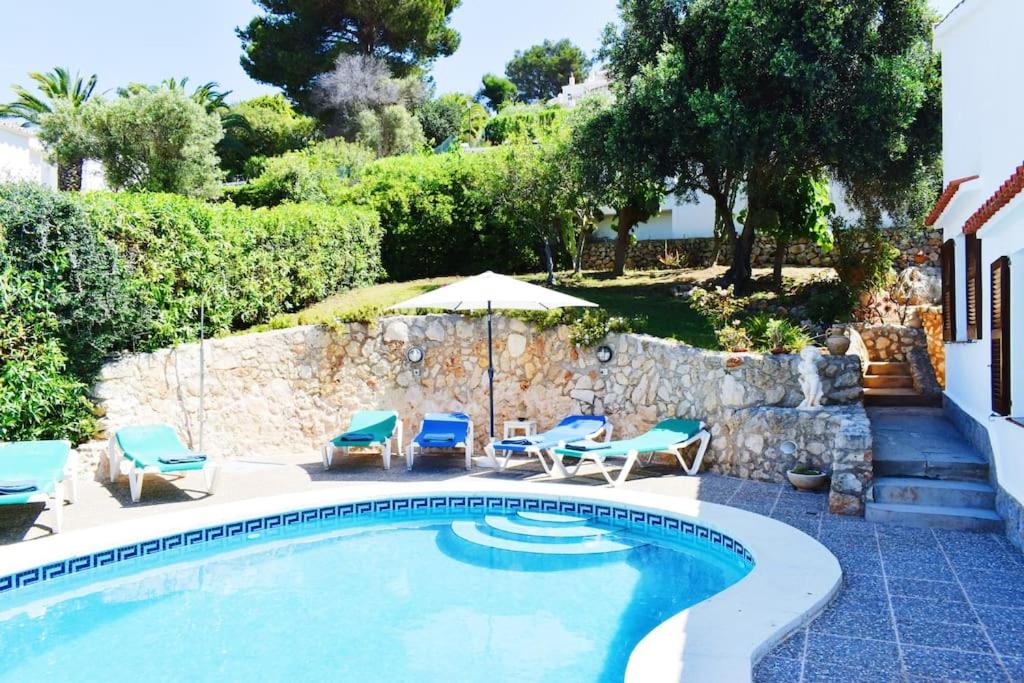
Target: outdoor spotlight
787	447
604	353
414	354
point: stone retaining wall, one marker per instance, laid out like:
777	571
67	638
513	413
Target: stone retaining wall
931	322
292	389
916	248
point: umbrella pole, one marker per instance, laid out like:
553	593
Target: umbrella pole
490	366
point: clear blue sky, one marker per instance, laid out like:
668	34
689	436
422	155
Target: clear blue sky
149	40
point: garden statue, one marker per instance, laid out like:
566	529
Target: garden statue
810	381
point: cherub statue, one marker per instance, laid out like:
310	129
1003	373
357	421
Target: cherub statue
810	381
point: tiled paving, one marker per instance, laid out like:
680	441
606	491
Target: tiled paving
916	604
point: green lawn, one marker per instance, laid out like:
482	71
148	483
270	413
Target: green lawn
645	294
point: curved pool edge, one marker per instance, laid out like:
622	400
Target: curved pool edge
718	639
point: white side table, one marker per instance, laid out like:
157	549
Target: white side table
519	428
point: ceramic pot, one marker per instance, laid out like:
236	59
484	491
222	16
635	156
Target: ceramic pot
838	344
806	482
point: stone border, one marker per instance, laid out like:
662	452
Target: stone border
720	638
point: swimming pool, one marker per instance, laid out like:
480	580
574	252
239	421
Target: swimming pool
442	586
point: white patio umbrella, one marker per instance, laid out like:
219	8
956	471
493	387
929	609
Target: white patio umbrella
490	291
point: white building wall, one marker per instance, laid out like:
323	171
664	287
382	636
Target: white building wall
981	42
22	157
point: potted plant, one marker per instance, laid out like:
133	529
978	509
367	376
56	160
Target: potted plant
734	338
806	478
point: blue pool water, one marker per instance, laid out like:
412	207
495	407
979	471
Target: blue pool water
501	596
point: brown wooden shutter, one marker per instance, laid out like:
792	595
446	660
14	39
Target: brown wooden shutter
948	291
1001	336
972	252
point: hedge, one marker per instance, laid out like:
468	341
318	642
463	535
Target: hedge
88	275
458	213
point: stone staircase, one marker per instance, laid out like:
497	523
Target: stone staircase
926	474
891	383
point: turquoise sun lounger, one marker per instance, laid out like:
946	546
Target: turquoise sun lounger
368	429
38	472
570	429
154	449
668	436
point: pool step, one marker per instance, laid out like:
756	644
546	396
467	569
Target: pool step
511	526
472	532
550	518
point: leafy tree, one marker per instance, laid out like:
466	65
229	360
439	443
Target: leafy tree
157	141
613	172
497	92
274	127
542	70
454	115
56	89
297	40
391	131
358	83
765	90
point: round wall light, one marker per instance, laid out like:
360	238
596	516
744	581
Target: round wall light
787	447
414	354
604	353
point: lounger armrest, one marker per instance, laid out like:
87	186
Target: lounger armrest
607	432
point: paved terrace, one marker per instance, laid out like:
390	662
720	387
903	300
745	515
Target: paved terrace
916	604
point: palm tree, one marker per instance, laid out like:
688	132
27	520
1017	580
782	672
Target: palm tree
54	86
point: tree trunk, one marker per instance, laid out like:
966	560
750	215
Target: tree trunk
629	215
69	175
780	260
725	226
740	271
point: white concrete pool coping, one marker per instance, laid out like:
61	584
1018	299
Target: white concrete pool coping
719	639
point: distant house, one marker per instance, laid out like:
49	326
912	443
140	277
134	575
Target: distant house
23	157
596	82
981	215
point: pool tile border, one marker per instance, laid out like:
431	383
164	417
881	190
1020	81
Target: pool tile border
397	508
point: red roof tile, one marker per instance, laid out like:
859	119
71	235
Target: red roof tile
1007	191
945	198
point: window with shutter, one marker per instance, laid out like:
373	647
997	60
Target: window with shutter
972	251
1000	335
948	291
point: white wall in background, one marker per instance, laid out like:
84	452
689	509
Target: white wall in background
981	44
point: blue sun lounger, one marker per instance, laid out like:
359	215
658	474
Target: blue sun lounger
154	449
572	428
368	429
451	431
38	472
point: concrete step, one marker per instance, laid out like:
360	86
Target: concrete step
933	516
941	492
899	398
889	382
925	463
888	368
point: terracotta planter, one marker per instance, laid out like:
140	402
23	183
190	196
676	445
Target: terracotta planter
838	344
807	482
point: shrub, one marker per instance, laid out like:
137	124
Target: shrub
39	398
592	326
830	302
273	128
246	265
772	334
456	213
83	281
523	123
864	257
319	173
